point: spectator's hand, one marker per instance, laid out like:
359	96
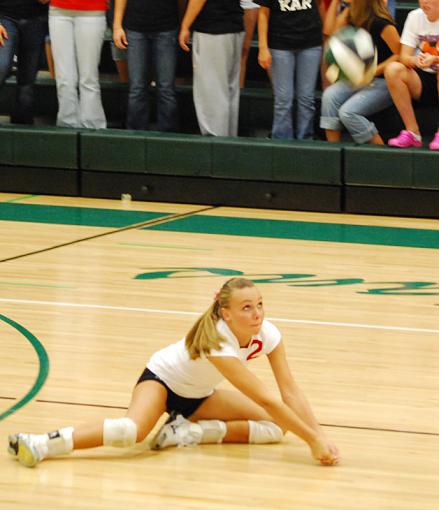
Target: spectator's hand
120	38
264	58
3	35
425	60
183	39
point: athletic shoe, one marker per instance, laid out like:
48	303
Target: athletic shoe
28	452
434	144
405	139
13	445
178	432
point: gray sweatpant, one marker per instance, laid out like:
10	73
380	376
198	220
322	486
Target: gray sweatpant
216	62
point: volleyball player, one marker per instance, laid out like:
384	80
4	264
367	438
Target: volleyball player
182	378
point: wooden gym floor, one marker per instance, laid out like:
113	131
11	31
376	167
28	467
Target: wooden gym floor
90	288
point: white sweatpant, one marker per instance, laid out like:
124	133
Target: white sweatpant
216	61
76	46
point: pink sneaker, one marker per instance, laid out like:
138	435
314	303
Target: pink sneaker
405	139
434	144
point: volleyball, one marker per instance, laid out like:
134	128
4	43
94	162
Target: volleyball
351	56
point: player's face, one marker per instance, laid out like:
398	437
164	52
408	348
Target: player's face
431	9
245	313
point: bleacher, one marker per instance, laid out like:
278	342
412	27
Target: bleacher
250	171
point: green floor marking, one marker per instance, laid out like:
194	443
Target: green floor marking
252	227
168	246
43	371
37	285
309	231
81	216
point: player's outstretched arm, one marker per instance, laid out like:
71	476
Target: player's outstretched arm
291	393
246	382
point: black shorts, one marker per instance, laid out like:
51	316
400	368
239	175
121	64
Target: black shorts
429	94
174	403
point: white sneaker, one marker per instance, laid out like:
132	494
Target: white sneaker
178	432
28	451
13	445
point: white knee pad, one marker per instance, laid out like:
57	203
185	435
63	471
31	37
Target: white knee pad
121	432
264	432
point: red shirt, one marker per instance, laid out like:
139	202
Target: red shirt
81	5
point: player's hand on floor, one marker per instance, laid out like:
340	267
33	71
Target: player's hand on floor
325	451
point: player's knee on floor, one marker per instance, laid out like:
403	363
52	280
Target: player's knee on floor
264	432
120	432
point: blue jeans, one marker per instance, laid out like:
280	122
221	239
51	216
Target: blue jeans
295	73
160	48
25	39
391	6
344	105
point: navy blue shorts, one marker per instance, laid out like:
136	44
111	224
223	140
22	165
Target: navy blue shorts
174	403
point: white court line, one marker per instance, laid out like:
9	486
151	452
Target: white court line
176	312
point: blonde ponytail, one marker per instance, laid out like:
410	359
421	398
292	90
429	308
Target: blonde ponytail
203	336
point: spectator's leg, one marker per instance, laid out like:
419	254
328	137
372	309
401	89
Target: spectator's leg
165	64
138	51
234	81
89	37
354	112
120	60
332	100
9	48
32	35
283	65
66	73
122	70
307	71
404	84
211	56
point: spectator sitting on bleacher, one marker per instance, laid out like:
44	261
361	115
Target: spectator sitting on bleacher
290	42
415	77
216	56
148	29
77	29
23	27
344	105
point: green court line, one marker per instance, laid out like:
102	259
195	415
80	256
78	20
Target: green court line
170	246
81	216
43	371
308	231
13	200
37	285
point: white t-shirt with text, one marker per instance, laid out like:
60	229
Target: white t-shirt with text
421	34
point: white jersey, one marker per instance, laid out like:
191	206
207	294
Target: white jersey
421	34
248	4
198	378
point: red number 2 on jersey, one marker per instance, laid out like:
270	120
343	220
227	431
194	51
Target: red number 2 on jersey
258	348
